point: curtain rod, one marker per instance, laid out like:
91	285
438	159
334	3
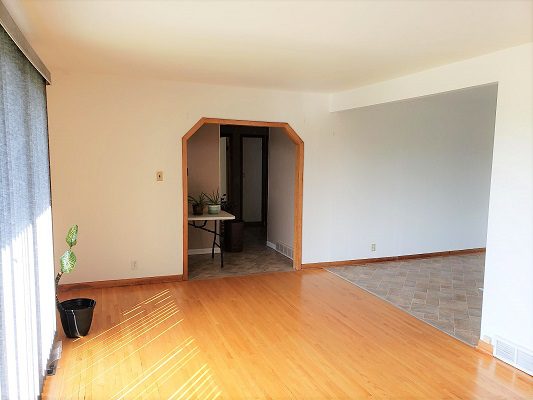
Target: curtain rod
16	35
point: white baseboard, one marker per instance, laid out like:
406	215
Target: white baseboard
195	252
271	245
280	248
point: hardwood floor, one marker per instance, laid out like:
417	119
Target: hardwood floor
304	334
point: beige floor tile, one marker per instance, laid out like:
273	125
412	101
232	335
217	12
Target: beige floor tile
255	258
443	291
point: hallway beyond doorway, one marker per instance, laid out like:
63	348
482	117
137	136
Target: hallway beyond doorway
255	258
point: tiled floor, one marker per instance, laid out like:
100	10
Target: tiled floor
255	258
442	291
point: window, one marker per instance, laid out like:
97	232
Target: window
27	310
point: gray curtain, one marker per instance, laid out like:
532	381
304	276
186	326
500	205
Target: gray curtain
27	313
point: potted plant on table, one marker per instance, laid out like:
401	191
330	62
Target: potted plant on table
76	314
213	203
198	204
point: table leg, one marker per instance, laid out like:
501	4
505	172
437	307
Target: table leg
214	241
221	245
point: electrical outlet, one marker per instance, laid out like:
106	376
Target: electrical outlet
159	176
134	265
373	247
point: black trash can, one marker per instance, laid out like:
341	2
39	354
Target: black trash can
233	235
76	316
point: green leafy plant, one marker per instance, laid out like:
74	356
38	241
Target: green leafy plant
214	199
68	260
199	201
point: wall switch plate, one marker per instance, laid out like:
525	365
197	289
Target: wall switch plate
159	176
134	265
373	247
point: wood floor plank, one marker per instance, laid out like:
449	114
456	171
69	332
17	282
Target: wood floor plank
305	334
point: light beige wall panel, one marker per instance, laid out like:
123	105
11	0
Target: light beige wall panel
281	162
203	165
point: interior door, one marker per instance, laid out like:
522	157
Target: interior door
252	178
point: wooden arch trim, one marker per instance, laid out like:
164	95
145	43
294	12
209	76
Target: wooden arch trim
298	182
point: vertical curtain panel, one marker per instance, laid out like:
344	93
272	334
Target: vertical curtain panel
27	311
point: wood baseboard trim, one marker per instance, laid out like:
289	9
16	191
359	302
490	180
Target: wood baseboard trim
120	282
361	261
485	347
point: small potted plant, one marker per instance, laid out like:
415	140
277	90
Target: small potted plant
76	314
213	203
198	204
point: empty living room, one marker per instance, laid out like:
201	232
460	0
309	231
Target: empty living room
266	199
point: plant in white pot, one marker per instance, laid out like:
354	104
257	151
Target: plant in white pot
76	314
213	203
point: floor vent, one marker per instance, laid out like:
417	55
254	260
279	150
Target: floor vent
284	249
55	355
515	355
525	361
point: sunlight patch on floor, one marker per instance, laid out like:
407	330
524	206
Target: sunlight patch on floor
126	346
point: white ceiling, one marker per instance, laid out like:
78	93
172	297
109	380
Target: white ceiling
300	45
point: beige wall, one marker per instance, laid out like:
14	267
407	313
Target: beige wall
281	176
108	137
223	167
507	299
203	165
419	174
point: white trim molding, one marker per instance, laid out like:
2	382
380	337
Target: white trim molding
195	252
18	37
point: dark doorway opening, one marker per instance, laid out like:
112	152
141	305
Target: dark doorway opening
245	189
278	161
246	172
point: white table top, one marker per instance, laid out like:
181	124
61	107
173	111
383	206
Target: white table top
222	215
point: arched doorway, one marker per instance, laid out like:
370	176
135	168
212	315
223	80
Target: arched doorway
298	182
